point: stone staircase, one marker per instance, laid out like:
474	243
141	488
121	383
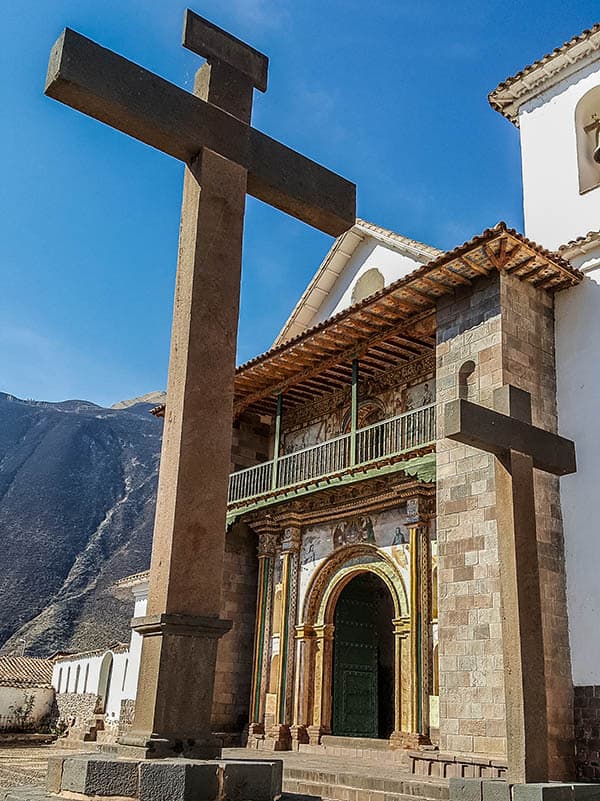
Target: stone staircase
361	784
78	738
350	774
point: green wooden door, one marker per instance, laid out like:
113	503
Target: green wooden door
355	662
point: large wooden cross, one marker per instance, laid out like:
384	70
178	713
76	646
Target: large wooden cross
519	447
225	158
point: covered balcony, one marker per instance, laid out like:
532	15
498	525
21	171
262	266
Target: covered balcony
413	431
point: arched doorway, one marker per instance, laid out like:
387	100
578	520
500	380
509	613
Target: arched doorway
363	660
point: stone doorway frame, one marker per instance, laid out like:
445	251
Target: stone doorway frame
313	692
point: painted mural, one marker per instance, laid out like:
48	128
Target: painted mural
387	530
374	406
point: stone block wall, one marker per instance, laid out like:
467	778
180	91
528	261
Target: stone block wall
250	443
498	331
234	656
587	733
76	706
471	675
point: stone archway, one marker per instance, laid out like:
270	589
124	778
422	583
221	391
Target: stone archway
316	633
104	680
362	694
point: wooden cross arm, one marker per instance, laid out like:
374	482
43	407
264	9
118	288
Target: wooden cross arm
206	40
128	97
497	433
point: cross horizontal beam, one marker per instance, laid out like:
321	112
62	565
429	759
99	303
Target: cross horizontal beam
114	90
497	433
206	40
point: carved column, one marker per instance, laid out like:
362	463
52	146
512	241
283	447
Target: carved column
305	641
290	551
268	538
402	683
323	653
420	626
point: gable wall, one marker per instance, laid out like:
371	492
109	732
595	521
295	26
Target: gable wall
368	254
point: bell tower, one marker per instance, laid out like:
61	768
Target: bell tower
555	103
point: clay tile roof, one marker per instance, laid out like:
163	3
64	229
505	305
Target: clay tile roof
580	244
499	248
25	671
510	95
117	648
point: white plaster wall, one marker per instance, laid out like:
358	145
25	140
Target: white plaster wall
72	663
555	211
117	684
140	594
16	696
578	394
370	253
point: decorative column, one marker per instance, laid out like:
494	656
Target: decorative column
290	552
354	412
420	614
305	641
323	654
277	442
268	537
402	683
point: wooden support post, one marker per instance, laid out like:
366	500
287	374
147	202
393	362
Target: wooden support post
277	440
354	412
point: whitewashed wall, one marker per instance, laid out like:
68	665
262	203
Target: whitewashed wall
125	666
13	697
555	211
140	594
370	253
578	374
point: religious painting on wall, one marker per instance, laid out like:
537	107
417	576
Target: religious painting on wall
357	529
419	395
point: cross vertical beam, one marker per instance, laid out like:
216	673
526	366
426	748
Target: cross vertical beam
183	625
519	447
522	619
225	158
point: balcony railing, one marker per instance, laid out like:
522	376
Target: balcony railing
391	437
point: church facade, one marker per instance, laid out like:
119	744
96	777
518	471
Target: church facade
365	560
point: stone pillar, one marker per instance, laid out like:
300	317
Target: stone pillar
290	549
402	683
268	537
497	331
182	626
323	658
305	640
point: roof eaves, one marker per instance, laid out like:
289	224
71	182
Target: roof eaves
489	233
511	93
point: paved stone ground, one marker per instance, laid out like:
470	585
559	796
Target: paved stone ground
312	775
25	764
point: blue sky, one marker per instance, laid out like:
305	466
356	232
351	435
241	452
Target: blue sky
390	94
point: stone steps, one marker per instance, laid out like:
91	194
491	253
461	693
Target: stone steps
364	785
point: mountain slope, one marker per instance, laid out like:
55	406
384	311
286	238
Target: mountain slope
77	495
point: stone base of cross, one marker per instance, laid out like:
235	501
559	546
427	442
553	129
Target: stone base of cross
519	447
